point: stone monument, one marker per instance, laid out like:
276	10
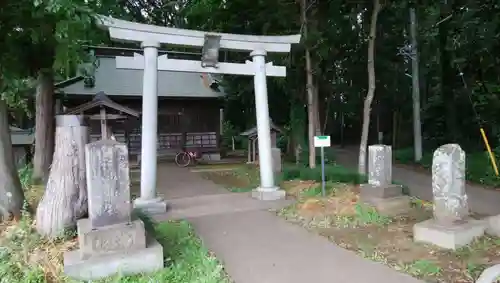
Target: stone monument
277	161
111	240
451	226
385	197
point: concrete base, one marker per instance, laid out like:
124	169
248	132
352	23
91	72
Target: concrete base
493	225
211	157
386	191
151	206
110	239
131	262
448	237
390	206
268	194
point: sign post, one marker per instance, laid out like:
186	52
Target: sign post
322	142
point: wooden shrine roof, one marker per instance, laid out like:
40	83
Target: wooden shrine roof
253	131
99	100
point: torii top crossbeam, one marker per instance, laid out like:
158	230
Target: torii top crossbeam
133	32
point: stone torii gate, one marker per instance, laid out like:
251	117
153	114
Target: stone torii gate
150	38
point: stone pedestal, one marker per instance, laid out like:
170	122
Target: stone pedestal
151	206
268	194
110	240
493	225
114	249
380	193
448	236
393	206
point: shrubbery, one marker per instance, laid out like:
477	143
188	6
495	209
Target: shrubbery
333	173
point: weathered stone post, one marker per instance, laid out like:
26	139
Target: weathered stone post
380	193
110	240
448	185
277	161
450	227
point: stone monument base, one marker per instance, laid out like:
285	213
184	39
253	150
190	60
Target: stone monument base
149	259
131	234
387	199
389	206
151	206
386	191
268	194
448	237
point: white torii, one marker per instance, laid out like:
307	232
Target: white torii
150	38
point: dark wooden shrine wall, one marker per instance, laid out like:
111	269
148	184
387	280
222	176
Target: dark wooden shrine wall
199	119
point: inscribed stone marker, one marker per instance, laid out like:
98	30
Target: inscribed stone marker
276	156
379	165
448	184
108	183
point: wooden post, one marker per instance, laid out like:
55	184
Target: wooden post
249	151
104	127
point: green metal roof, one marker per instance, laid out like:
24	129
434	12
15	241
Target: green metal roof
21	137
122	82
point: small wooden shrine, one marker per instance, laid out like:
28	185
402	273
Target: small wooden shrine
114	120
252	137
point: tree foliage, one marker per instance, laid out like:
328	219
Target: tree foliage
458	39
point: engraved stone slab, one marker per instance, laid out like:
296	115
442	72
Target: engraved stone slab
448	185
379	165
108	183
109	239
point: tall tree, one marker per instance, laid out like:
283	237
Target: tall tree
14	36
371	87
311	109
415	79
44	124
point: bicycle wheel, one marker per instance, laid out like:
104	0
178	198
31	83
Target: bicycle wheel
182	159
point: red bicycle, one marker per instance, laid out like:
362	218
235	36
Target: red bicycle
186	157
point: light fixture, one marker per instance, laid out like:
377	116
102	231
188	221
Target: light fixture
210	52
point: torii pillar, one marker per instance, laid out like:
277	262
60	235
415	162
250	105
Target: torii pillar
149	201
267	189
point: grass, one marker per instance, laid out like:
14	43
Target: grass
479	169
333	173
341	218
242	178
246	177
25	257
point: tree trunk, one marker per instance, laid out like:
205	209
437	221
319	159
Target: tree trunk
311	116
371	88
317	120
447	75
65	198
415	78
11	192
44	128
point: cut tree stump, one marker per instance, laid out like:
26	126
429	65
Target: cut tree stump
65	197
